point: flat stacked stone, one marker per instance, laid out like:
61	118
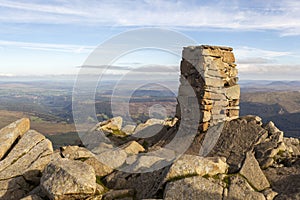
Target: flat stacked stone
211	72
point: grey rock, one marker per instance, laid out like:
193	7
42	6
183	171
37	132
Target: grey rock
285	181
14	188
190	165
100	168
292	146
111	125
68	179
269	146
32	197
252	172
21	169
10	133
192	188
239	189
132	148
232	92
269	194
118	194
75	152
146	185
128	129
237	137
113	158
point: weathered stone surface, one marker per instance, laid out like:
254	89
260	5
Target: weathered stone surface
113	158
232	92
118	194
214	82
111	125
192	188
11	133
269	146
292	146
83	154
206	116
23	165
189	165
128	129
75	152
14	188
145	185
252	172
239	189
132	148
28	150
68	179
32	197
228	57
100	168
150	127
237	137
272	129
146	131
211	73
285	181
269	194
38	192
103	147
143	163
170	122
153	121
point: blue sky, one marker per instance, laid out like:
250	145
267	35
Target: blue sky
39	37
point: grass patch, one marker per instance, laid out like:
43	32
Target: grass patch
119	133
36	119
182	177
82	159
145	144
99	182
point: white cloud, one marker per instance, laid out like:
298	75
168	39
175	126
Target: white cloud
56	9
6	75
265	64
47	47
269	70
254	56
283	16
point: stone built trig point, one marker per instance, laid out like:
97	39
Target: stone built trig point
211	72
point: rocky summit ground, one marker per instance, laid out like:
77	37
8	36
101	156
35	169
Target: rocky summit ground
249	160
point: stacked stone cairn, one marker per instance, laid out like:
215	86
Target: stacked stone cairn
212	74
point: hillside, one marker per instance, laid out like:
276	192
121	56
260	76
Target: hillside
283	108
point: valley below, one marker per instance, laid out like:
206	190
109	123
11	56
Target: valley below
48	104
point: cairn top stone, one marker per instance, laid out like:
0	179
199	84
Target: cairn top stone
209	47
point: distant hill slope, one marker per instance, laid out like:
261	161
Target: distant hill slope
287	100
283	108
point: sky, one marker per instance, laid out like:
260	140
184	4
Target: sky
39	37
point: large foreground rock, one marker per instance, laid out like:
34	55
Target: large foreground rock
238	137
252	172
65	179
11	133
239	189
189	165
145	185
193	188
83	154
21	169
